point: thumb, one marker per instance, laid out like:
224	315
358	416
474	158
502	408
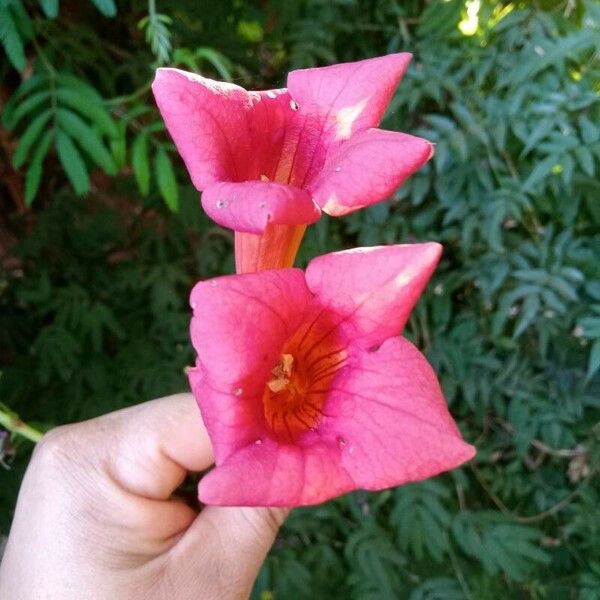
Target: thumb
231	542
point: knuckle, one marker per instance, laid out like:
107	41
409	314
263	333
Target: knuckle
56	447
274	518
265	521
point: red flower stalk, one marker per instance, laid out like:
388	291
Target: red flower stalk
268	162
304	386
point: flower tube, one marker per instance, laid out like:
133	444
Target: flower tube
268	162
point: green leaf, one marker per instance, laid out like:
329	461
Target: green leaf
421	519
563	288
586	160
374	558
30	135
441	123
69	81
541	170
594	360
140	161
165	177
11	40
34	171
590	132
22	19
439	18
106	7
157	35
97	322
12	118
50	8
552	55
217	60
29	85
437	588
591	326
87	139
58	352
72	163
529	310
88	107
539	132
118	145
498	544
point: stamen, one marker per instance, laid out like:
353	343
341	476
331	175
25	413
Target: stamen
287	362
278	385
295	396
282	372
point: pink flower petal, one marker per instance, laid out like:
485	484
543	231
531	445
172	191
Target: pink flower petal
222	132
373	289
298	405
250	206
269	474
349	96
274	153
389	412
367	169
386	424
240	323
233	420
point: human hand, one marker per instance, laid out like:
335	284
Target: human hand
95	518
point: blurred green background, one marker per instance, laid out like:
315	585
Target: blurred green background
102	237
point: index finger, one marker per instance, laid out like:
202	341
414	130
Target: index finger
151	447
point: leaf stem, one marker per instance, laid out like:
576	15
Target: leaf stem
528	518
11	421
552	510
457	570
51	78
141	91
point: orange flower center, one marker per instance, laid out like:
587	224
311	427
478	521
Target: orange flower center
295	395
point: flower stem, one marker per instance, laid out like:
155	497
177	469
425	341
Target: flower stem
10	420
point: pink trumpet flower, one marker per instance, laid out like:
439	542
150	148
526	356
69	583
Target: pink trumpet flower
305	387
269	162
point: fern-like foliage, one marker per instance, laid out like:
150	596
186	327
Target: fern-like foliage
156	30
60	110
15	29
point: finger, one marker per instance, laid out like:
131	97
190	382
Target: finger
149	448
238	538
